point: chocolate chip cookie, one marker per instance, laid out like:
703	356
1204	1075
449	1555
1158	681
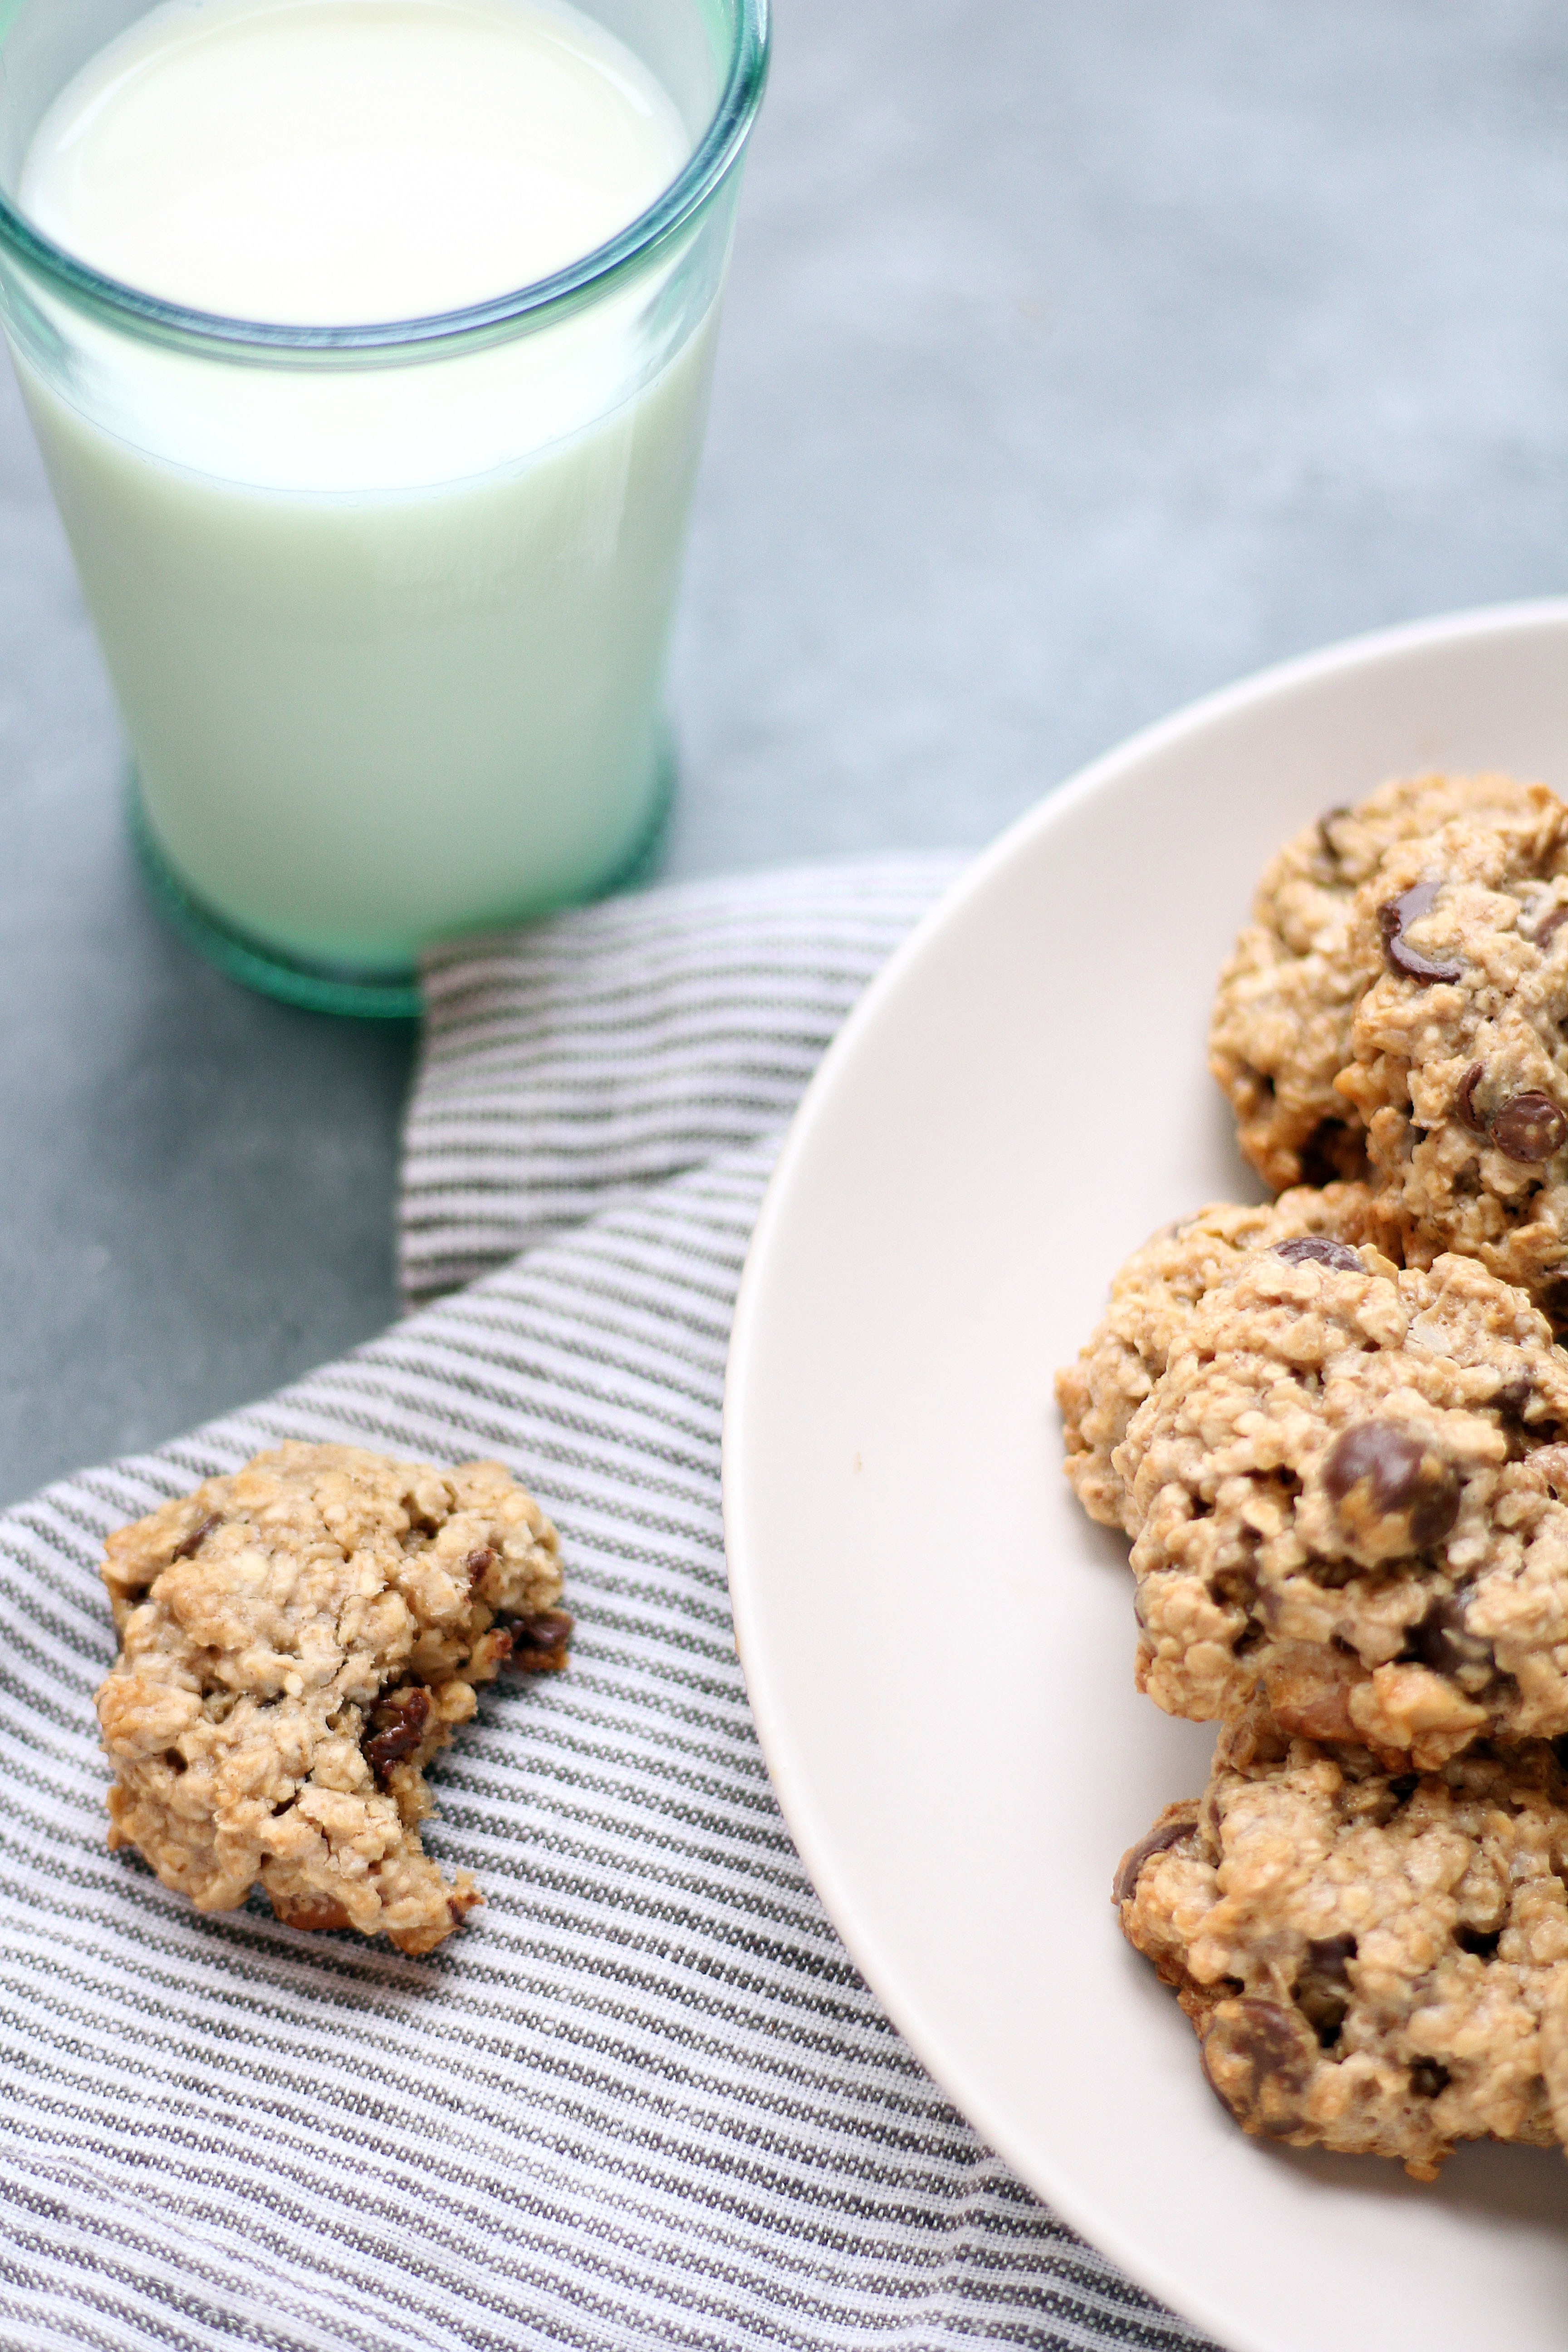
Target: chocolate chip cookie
1396	1010
1375	1962
1287	999
1345	1488
1152	1299
296	1640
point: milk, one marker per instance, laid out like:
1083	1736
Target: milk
387	632
333	161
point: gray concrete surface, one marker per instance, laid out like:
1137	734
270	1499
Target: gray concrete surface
1078	359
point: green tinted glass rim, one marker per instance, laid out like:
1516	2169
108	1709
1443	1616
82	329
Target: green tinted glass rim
530	307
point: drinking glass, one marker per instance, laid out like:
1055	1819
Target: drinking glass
386	608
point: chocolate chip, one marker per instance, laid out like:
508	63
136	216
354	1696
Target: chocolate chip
477	1563
539	1643
1427	2078
174	1760
1550	923
1530	1129
1442	1642
1386	1470
1482	1941
1392	919
398	1724
1513	1396
1161	1838
1259	2057
1551	1297
1322	1990
1316	1249
197	1536
1465	1101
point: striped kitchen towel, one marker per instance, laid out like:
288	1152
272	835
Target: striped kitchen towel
643	2098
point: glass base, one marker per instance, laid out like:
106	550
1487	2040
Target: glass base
318	987
367	995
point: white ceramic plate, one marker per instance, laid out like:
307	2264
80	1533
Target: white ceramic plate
937	1645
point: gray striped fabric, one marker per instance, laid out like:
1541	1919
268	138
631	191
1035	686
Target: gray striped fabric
571	1066
642	2099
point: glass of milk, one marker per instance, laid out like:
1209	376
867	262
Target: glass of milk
367	343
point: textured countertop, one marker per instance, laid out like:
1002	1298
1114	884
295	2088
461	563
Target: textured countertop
1076	360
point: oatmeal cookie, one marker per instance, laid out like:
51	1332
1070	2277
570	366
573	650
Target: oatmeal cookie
297	1642
1281	1033
1152	1299
1430	1007
1458	1061
1346	1487
1374	1962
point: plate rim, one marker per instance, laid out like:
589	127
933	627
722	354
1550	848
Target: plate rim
1364	651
